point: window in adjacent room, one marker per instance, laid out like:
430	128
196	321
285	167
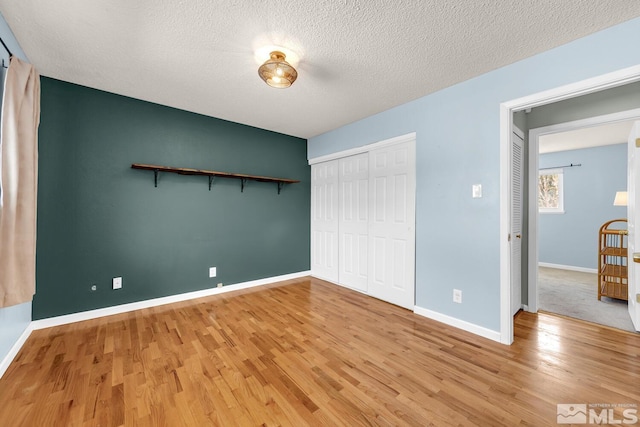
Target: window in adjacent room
550	191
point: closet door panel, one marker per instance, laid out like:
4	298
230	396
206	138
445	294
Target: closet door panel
353	221
392	172
324	220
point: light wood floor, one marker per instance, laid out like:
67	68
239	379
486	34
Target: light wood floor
305	352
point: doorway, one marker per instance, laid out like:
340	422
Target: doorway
507	109
588	159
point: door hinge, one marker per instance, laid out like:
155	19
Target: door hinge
509	238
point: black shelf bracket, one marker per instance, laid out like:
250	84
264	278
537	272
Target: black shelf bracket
242	183
155	177
280	185
210	181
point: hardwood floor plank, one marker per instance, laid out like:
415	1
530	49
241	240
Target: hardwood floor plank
308	353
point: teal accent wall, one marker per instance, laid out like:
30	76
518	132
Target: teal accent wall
572	238
458	145
99	219
15	319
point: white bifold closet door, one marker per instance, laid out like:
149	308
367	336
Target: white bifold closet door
363	222
392	224
353	225
324	220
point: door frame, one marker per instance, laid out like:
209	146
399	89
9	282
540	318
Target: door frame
584	87
534	215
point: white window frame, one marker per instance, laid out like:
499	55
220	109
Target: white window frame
560	208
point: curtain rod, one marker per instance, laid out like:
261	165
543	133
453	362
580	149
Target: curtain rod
570	165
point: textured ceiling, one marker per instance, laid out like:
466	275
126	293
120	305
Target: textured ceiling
356	57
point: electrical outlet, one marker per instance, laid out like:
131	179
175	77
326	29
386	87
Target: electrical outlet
219	285
117	282
457	296
213	272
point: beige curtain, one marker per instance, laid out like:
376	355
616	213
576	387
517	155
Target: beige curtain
19	183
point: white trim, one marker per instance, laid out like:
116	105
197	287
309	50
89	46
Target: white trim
124	308
318	276
572	90
506	317
6	362
606	81
457	323
568	267
364	149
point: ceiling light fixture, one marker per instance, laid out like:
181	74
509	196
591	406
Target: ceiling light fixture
276	72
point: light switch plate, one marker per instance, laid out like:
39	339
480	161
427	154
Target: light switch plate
476	191
213	271
117	282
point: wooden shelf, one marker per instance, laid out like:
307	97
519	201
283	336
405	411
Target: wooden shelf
611	251
618	271
213	174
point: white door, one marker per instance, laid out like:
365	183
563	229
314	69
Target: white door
633	218
517	151
392	222
324	221
354	220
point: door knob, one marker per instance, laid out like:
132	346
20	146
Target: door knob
519	236
636	257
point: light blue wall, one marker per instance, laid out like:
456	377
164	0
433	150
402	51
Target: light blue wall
571	238
13	320
458	144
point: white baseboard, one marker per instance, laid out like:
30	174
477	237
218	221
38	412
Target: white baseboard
4	363
319	276
568	267
457	323
123	308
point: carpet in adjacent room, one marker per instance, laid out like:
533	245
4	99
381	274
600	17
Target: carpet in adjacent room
575	294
